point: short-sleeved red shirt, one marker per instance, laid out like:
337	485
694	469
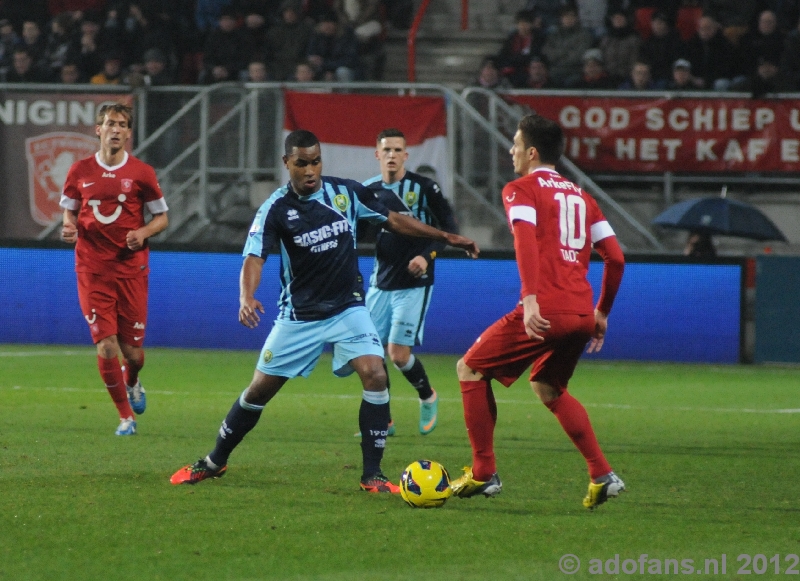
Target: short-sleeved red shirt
110	202
568	221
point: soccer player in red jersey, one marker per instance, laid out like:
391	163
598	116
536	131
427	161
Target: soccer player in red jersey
555	226
104	199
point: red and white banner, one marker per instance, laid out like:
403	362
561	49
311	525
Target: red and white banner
679	135
348	126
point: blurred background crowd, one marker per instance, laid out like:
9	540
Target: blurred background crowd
722	45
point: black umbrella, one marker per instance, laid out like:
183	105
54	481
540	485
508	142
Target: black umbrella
720	216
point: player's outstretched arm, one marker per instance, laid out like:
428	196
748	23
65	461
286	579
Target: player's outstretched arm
249	279
69	228
408	226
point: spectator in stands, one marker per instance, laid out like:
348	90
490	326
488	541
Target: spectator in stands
711	55
59	44
22	69
662	48
766	41
9	40
699	245
538	74
564	48
255	34
682	79
790	60
303	73
207	13
35	43
157	70
518	48
489	76
333	51
360	15
592	16
550	12
152	27
225	51
112	73
620	45
640	79
70	73
256	71
267	9
787	13
363	17
733	16
91	46
287	40
767	78
594	76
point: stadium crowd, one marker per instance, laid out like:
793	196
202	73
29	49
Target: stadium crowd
722	45
194	41
742	45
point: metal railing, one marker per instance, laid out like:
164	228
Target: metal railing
210	144
504	117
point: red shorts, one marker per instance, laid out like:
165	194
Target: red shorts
114	306
503	351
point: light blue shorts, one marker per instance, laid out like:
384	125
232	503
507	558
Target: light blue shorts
293	348
399	315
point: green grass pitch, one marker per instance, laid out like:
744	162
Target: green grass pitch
710	455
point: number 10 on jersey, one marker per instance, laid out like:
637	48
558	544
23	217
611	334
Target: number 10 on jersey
572	224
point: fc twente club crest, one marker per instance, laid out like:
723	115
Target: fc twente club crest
50	156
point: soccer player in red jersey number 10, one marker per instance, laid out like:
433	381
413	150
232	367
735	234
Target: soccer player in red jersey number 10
104	199
555	226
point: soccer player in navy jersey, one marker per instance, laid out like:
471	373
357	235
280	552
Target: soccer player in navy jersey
555	226
401	284
313	220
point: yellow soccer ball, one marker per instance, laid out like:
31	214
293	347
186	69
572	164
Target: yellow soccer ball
425	484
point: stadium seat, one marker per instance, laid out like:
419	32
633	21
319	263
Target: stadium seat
686	22
642	23
190	67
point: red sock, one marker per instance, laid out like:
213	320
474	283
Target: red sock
111	372
480	415
573	418
132	369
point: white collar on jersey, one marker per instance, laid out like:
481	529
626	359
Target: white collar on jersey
107	167
545	170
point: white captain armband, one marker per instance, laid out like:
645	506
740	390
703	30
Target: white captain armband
601	230
68	203
526	213
158	206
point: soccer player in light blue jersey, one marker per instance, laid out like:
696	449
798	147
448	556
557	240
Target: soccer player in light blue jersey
313	220
401	284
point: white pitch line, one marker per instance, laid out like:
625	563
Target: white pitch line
532	401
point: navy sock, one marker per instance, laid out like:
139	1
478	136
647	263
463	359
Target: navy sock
242	418
414	372
373	419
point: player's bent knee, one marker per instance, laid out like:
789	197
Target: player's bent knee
108	348
465	373
545	391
